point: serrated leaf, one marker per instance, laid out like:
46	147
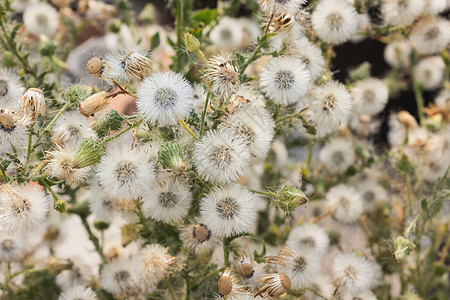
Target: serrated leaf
15	30
155	41
206	15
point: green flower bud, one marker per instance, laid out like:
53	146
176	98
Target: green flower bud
171	156
361	72
192	43
114	25
109	122
46	46
81	209
290	197
403	248
76	93
90	152
404	164
147	15
60	205
100	225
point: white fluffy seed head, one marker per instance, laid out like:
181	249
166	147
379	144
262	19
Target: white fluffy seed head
101	205
128	66
430	72
70	129
256	126
41	18
13	129
370	96
167	201
397	53
401	12
221	156
78	292
344	203
335	22
198	238
300	265
155	261
125	174
228	34
312	57
229	210
11	89
61	165
12	248
355	274
434	7
222	75
120	277
22	208
337	155
285	79
332	105
164	98
309	236
371	194
430	35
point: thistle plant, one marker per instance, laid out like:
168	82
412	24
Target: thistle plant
224	157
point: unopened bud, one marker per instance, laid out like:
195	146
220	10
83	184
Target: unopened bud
81	209
404	163
56	265
96	66
192	43
290	197
93	104
46	46
60	205
403	248
114	25
101	225
111	121
76	93
32	103
361	72
171	156
90	152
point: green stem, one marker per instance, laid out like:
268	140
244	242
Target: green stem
206	278
47	128
316	293
226	251
29	147
179	29
287	117
202	56
93	239
409	194
411	225
419	101
309	157
114	136
269	194
169	286
252	58
202	122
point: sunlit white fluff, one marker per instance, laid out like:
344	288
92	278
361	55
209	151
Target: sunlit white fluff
155	261
121	277
78	292
308	235
430	72
289	7
443	99
198	238
164	98
221	156
370	96
430	35
23	208
401	12
335	22
229	210
228	34
167	201
397	53
256	126
285	79
363	25
337	155
61	165
12	248
41	18
312	57
371	193
355	274
11	89
300	265
70	129
125	174
364	125
433	7
332	105
345	203
198	97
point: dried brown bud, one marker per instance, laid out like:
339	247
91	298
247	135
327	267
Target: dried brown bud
93	104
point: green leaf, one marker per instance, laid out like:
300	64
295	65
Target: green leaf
15	29
155	41
206	15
